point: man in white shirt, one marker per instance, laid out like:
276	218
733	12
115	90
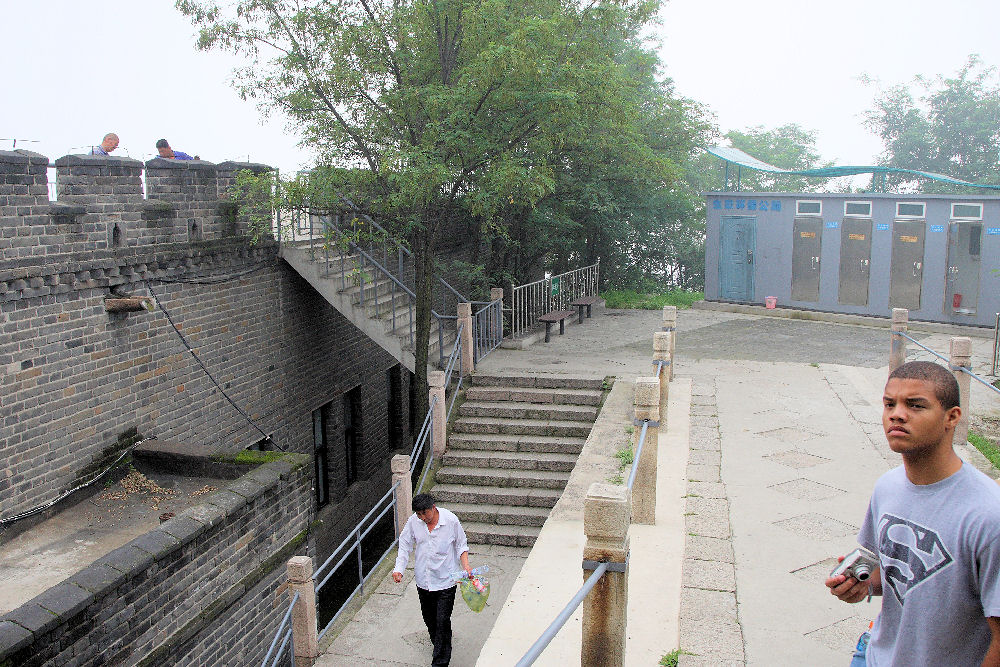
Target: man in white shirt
108	144
442	550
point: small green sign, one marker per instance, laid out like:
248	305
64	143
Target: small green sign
555	287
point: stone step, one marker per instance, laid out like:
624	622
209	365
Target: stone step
537	381
519	410
380	285
580	429
479	552
400	301
504	515
529	479
535	395
491	533
495	495
515	443
470	458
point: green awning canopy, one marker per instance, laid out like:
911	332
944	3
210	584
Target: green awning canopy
741	159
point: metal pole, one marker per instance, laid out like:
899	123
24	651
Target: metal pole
361	569
996	346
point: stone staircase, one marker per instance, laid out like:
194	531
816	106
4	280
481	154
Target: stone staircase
511	451
385	319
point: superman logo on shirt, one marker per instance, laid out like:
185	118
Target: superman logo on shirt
910	554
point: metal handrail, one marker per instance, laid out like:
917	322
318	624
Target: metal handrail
533	299
964	369
638	453
455	358
277	634
357	526
488	319
422	436
560	620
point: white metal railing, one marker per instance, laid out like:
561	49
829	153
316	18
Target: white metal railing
557	292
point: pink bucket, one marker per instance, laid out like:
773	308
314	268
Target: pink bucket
770	302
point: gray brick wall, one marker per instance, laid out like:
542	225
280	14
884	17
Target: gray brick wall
197	590
74	378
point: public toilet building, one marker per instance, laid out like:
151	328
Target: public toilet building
936	255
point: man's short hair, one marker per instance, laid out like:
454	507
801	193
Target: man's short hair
423	501
945	384
110	135
162	143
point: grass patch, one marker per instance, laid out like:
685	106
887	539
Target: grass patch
641	301
670	659
987	447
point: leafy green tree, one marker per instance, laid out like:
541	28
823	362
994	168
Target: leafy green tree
948	125
444	112
788	146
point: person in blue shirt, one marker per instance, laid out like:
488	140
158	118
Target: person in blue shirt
108	144
169	153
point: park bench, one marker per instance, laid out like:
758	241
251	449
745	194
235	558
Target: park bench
587	301
555	316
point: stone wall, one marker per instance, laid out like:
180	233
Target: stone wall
79	384
197	590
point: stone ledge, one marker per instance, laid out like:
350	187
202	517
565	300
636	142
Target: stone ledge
97	160
63	210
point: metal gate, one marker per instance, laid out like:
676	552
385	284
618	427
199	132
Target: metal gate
855	260
736	247
907	271
965	240
807	241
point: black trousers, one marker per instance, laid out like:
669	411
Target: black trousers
436	606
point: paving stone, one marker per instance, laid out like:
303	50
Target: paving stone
708	526
796	459
787	434
700	473
806	489
708	574
817	571
709	548
705	457
812	524
704	410
718	507
706	489
842	635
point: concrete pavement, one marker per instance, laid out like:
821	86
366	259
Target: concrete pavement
784	447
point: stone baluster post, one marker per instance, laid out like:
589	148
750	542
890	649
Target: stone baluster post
439	413
662	352
670	325
897	344
647	406
496	294
606	518
465	318
305	642
400	466
960	356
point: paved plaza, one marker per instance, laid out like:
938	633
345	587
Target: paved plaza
784	443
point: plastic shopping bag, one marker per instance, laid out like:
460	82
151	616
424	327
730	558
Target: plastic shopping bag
475	589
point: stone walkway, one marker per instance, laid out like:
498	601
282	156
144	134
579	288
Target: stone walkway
785	445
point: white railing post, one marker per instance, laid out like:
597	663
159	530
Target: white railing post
647	407
897	344
662	344
670	326
400	466
960	356
465	319
439	411
305	641
606	518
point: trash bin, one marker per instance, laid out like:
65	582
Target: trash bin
770	302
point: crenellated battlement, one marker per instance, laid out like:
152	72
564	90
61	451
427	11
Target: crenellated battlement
101	218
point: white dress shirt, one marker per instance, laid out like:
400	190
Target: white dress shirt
438	550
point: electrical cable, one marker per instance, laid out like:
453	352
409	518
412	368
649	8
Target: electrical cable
51	503
207	372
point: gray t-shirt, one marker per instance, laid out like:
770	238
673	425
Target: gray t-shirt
939	545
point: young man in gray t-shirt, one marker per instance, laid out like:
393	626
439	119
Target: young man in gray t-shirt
934	524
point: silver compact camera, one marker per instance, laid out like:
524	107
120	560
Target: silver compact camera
859	564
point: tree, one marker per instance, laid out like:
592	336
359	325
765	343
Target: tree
947	125
788	146
443	112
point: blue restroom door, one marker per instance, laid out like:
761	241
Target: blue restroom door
736	260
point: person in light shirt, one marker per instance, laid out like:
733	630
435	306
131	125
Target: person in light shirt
441	550
108	144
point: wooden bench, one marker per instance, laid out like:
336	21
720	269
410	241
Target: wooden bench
555	316
587	301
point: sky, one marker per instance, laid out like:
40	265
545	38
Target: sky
84	68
